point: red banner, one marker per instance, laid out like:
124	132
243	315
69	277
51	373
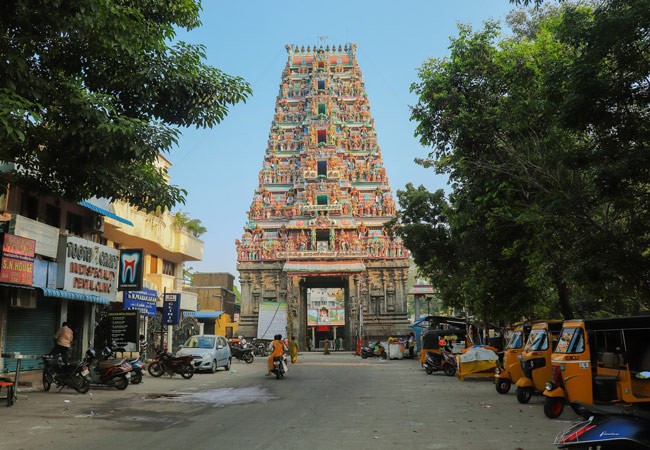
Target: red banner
17	263
322	328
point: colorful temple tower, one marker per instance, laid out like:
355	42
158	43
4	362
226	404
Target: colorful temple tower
315	259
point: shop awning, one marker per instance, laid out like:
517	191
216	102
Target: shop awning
60	293
203	314
105	212
324	267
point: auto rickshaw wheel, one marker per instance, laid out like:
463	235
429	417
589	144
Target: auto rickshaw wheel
553	407
524	394
503	385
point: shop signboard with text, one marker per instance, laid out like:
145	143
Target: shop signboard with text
87	267
143	301
17	264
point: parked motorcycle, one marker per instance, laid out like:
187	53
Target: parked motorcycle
165	363
444	361
375	349
260	348
607	427
111	372
242	353
137	364
70	375
280	366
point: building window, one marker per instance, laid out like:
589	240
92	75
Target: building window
29	207
322	109
322	168
322	136
53	216
321	83
74	224
169	268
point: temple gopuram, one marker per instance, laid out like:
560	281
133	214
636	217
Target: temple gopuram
315	259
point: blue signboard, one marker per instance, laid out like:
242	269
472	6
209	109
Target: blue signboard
143	301
171	312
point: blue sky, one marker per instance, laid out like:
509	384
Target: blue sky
219	166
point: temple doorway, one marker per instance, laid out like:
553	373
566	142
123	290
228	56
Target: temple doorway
325	303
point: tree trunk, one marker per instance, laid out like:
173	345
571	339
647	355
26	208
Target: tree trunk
562	293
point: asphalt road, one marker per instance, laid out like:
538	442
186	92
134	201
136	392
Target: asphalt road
325	402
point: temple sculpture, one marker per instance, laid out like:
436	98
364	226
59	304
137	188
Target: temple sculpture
317	219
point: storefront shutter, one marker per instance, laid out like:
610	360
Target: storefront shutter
30	332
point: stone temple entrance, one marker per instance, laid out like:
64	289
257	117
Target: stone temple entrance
326	309
317	219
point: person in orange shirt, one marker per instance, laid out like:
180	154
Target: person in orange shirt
278	349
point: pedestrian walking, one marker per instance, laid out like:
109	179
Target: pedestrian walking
308	344
293	350
63	337
337	344
326	347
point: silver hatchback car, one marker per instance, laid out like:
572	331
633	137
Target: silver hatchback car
209	351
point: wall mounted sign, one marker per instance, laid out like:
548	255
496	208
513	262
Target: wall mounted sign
131	269
87	267
143	301
17	263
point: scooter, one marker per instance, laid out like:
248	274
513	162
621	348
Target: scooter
242	353
112	372
137	365
607	426
443	361
65	375
164	362
375	349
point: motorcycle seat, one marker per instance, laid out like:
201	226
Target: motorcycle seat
110	363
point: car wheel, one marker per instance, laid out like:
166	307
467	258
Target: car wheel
213	369
227	366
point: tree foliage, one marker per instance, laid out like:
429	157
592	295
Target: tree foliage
543	134
91	92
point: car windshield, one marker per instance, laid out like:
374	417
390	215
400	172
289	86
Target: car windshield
537	341
516	340
571	341
200	342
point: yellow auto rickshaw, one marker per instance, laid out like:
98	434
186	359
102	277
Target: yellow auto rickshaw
510	369
536	359
600	361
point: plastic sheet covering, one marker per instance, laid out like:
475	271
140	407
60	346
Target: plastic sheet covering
478	353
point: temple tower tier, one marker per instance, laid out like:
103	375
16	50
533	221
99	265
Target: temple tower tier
316	260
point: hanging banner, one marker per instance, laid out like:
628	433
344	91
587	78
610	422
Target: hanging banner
131	269
171	312
143	301
325	306
272	320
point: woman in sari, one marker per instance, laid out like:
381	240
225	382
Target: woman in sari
293	350
277	350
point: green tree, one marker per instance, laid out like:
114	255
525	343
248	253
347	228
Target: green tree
91	92
542	136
